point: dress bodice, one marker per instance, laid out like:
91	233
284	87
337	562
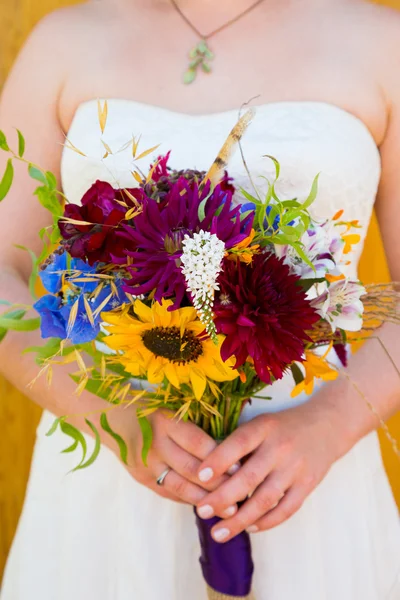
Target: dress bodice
305	137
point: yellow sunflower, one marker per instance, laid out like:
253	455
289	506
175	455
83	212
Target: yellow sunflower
157	343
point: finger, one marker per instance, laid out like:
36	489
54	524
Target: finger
191	438
186	464
241	442
161	491
263	500
150	483
286	508
239	486
181	487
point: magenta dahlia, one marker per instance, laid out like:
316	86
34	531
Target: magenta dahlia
163	178
154	243
264	314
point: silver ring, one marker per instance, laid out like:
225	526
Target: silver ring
161	479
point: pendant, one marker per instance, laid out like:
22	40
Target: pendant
200	57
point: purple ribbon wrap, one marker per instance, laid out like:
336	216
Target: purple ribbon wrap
227	568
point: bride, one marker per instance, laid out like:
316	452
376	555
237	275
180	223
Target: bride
326	76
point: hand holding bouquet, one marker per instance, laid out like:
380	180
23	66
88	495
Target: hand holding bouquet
171	295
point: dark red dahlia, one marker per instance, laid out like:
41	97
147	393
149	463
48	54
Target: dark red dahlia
155	241
264	314
99	240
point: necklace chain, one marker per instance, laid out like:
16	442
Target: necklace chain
219	29
201	55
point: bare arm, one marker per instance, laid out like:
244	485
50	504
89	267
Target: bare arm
30	103
292	451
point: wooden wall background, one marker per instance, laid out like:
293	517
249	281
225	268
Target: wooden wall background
18	415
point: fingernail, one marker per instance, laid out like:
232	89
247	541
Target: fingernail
205	512
221	534
206	474
234	469
252	529
230	511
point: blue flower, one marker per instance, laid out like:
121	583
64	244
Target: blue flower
52	323
55	308
275	226
56	267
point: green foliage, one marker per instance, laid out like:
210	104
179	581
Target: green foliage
15	315
48	197
35	269
95	386
282	222
18	324
123	449
3	142
37	174
96	450
21	144
297	373
78	441
48	350
6	182
147	435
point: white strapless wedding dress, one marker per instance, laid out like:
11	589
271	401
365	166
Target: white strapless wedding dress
99	535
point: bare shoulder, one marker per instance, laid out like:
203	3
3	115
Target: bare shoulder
375	34
376	26
61	35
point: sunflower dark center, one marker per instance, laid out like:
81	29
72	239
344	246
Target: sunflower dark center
168	343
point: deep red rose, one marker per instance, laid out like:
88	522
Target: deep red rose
99	240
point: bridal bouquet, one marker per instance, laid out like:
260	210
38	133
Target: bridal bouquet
208	301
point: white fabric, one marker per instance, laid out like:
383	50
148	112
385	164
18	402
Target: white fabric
97	533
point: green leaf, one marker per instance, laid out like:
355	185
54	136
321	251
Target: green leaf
303	255
70	448
123	449
21	144
147	434
297	373
53	428
34	274
201	211
7	180
37	174
15	314
55	234
119	370
3	142
189	76
94	386
51	180
76	436
48	199
313	193
19	325
306	284
96	450
49	349
276	164
249	197
290	232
